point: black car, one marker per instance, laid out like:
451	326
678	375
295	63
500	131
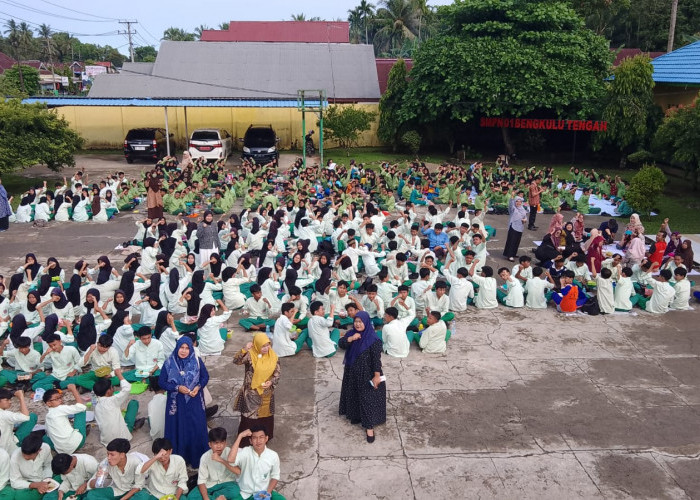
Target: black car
260	144
146	143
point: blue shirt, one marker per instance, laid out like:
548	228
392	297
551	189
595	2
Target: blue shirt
436	240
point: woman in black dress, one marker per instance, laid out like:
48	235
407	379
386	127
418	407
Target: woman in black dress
363	394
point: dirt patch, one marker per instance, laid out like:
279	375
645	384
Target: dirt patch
633	475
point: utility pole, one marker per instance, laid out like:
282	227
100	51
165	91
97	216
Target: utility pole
672	27
129	33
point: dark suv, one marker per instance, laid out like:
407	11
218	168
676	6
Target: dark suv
146	143
260	144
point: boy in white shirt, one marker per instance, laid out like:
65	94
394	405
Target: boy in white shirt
156	409
26	359
30	465
438	301
65	363
108	411
523	270
322	341
624	294
662	295
419	291
461	289
385	289
258	309
215	479
284	341
123	471
10	438
147	354
604	290
487	297
511	292
395	337
536	289
405	305
582	275
301	304
167	473
681	290
99	355
433	339
60	434
374	305
75	471
258	467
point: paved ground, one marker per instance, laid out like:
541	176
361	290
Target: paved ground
523	405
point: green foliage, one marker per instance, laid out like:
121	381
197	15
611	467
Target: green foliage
640	157
145	54
31	134
411	140
344	124
178	35
390	104
645	188
629	103
678	138
507	58
30	76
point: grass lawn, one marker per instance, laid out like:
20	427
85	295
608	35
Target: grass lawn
16	184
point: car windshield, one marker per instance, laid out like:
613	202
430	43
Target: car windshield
205	135
140	134
259	138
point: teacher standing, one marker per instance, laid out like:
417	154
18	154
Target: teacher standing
5	209
518	217
154	198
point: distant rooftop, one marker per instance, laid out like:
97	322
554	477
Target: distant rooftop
682	66
281	31
622	54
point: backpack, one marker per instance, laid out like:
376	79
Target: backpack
591	307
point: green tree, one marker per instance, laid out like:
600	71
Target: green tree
507	58
629	106
178	35
145	54
678	139
397	22
645	188
302	17
390	123
224	26
600	15
344	124
199	29
29	78
30	134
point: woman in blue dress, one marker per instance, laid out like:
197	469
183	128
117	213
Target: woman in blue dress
183	377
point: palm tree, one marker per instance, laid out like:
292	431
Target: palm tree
366	9
224	26
178	35
398	21
45	34
14	38
355	20
198	30
299	17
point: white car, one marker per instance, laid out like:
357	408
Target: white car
211	143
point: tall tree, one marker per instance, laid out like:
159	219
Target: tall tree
678	138
145	54
224	26
45	35
390	124
14	38
355	20
366	11
397	21
178	35
302	17
507	58
198	30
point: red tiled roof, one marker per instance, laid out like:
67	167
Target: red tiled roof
106	64
625	53
6	62
384	67
281	31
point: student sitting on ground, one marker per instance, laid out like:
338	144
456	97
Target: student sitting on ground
166	473
681	290
65	362
394	334
108	411
123	470
511	292
25	359
215	479
373	304
10	438
60	434
438	301
101	356
258	467
258	310
146	353
567	300
624	294
604	290
30	466
322	341
461	289
487	297
536	289
75	471
662	295
156	409
404	304
433	339
285	341
211	336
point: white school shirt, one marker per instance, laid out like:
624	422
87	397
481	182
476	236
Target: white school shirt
514	298
109	358
461	290
394	271
525	273
257	308
623	291
374	310
256	471
145	357
320	336
661	298
85	467
233	298
681	295
42	212
161	482
64	362
148	260
8	420
409	310
23	472
123	482
396	343
486	298
441	305
582	274
270	288
535	290
640	276
65	438
302	305
108	415
121	339
339	302
282	341
419	291
210	341
148	315
323	299
169	338
605	294
4	469
28	363
432	340
213	473
156	415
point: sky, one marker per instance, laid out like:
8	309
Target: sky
99	18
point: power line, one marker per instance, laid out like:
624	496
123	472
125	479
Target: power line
57	30
129	33
157	40
80	12
52	14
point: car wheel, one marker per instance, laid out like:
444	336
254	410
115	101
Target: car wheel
129	160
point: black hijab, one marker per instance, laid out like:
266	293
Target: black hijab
34	268
105	270
32	307
290	278
87	333
204	315
264	274
324	281
44	285
174	280
161	324
19	325
73	292
62	302
124	305
117	322
50	326
56	271
96	294
197	288
216	267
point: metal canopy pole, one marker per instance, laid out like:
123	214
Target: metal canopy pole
187	134
320	131
303	127
167	131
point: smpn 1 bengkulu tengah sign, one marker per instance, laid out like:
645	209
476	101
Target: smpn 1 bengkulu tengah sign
545	124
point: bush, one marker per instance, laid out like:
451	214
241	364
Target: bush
344	124
645	188
640	157
411	140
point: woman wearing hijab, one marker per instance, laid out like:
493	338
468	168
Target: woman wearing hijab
208	237
215	264
24	210
86	335
166	331
154	198
635	224
192	296
80	203
685	250
557	223
60	306
5	209
98	207
518	217
363	393
594	250
107	280
20	327
271	287
256	398
231	289
211	335
31	269
53	269
173	291
184	376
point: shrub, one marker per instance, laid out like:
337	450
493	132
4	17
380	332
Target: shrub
411	140
645	188
640	157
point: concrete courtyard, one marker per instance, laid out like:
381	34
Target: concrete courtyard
523	405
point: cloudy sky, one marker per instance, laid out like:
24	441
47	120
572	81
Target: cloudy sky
99	18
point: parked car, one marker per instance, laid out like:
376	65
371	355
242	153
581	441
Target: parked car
147	143
260	144
211	143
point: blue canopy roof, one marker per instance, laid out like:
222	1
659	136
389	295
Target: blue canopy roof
194	103
682	66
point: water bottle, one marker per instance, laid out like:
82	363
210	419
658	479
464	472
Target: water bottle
452	326
267	330
101	475
93	400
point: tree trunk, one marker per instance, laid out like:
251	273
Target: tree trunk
507	141
672	27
